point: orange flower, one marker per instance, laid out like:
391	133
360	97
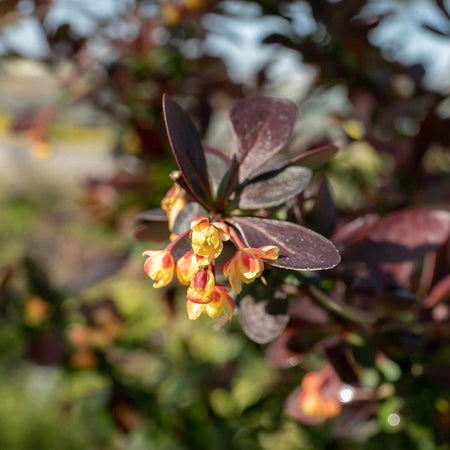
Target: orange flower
159	266
207	238
247	264
221	301
318	397
173	202
201	289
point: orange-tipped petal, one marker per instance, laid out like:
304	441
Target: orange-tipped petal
221	292
197	221
270	252
159	266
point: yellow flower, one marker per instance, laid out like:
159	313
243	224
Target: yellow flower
221	301
247	264
207	238
173	202
186	268
159	266
202	285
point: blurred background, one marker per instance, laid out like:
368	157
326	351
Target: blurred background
91	357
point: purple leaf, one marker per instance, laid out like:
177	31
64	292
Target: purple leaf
154	226
403	235
439	292
323	216
152	215
260	325
316	157
218	164
312	159
186	216
300	248
267	191
261	126
188	151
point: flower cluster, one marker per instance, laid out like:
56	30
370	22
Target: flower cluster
197	268
229	196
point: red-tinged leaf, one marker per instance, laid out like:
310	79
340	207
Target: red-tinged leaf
95	271
279	355
304	312
273	189
403	235
188	151
312	159
439	292
152	231
218	164
154	226
323	216
262	126
260	325
355	229
152	215
300	248
316	157
182	246
186	216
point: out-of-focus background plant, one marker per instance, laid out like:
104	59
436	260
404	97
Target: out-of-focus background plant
92	357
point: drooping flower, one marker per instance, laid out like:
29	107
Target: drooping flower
159	266
222	301
186	268
173	202
247	264
201	289
207	238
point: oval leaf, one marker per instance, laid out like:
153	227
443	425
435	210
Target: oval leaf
188	151
152	215
218	164
275	188
316	157
300	248
260	325
262	126
403	235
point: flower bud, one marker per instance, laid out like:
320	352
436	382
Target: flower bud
201	289
159	266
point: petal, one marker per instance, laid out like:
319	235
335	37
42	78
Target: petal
228	305
270	252
214	308
194	310
198	221
235	283
223	230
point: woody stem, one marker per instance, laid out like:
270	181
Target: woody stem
177	240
